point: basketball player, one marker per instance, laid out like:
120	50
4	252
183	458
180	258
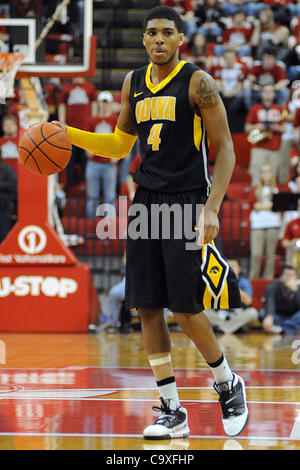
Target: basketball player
175	109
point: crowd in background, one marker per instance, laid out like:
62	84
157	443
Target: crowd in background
252	49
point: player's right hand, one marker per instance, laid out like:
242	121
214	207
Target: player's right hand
59	124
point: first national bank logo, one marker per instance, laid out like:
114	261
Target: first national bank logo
32	242
32	239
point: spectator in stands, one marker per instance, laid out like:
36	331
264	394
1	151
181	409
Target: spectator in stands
292	62
185	9
116	297
27	8
267	72
77	103
279	42
235	319
9	140
209	20
237	36
8	198
294	183
52	89
282	306
229	79
296	126
263	27
17	104
264	225
265	118
196	52
289	154
100	169
291	238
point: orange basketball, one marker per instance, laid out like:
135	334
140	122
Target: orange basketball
45	149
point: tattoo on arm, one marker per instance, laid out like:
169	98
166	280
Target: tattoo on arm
207	93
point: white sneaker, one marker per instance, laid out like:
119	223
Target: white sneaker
171	424
233	401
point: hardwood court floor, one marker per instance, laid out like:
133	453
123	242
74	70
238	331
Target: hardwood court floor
89	392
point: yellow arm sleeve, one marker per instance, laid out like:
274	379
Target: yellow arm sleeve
116	145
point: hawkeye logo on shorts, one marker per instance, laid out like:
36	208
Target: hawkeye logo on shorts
156	108
214	270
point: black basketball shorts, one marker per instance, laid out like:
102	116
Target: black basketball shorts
164	265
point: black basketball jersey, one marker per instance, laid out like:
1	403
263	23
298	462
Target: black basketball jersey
173	141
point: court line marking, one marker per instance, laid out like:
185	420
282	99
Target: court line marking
295	432
125	389
150	400
139	367
140	436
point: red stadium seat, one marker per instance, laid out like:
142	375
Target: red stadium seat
259	287
236	209
234	236
238	191
74	207
240	175
12	162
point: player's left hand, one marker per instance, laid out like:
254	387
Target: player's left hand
208	226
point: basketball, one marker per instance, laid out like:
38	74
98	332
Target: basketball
45	149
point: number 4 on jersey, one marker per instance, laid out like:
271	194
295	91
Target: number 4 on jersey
154	136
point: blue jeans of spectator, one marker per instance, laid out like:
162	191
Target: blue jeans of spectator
289	325
125	163
241	52
115	298
95	174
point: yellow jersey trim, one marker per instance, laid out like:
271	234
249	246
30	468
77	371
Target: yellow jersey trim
155	88
197	131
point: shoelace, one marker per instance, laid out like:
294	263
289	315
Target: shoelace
226	408
164	409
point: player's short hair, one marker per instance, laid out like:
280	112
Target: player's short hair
288	267
166	12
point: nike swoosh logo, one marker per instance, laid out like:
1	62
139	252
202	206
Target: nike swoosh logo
137	94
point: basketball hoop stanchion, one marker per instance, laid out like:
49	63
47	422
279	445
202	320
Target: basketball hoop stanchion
43	287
